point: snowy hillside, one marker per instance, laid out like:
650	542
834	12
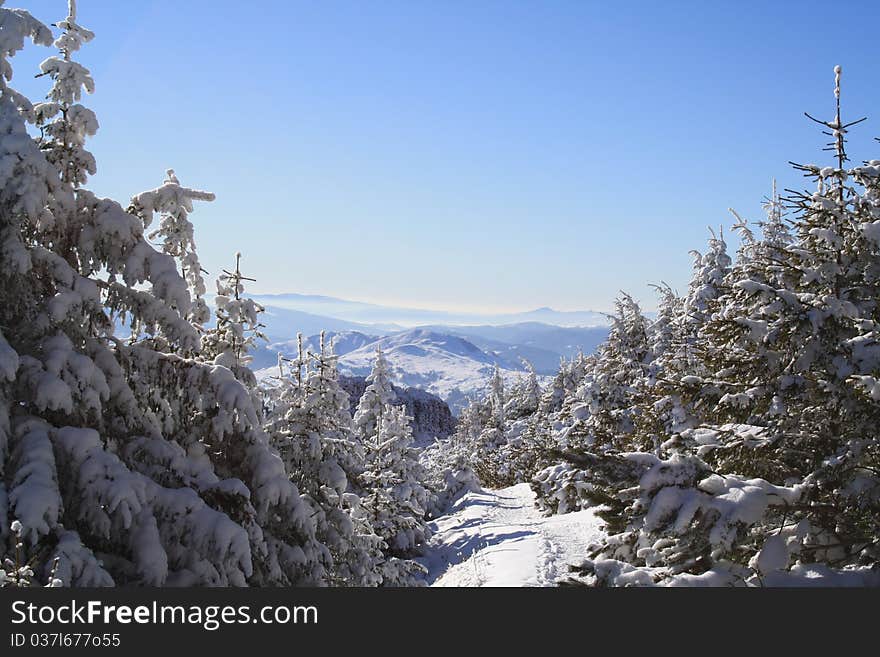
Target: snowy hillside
541	344
454	363
448	366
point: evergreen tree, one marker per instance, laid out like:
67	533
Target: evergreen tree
311	427
173	203
376	397
663	332
567	380
485	455
397	501
449	463
64	123
498	398
781	472
680	386
122	462
610	390
525	396
238	325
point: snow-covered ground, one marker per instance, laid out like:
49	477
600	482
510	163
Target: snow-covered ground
498	538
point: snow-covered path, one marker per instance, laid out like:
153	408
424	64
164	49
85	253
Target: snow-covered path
498	538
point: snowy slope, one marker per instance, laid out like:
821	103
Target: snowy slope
445	365
453	363
498	538
541	344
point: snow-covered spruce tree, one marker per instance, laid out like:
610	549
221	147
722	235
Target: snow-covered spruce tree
638	494
509	447
497	398
794	340
529	447
743	371
173	203
664	411
567	380
396	501
127	462
311	427
238	326
18	571
525	394
64	123
486	456
678	389
707	282
611	389
805	309
376	397
601	416
449	463
663	332
526	435
473	419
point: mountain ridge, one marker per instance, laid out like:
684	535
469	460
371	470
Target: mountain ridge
371	313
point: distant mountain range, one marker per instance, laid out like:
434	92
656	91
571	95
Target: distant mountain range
451	355
390	317
449	362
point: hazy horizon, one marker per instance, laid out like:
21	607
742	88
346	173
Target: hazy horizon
406	305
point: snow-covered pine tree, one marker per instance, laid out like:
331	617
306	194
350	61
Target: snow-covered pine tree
396	500
64	123
663	331
797	490
488	461
679	389
738	345
472	421
126	462
376	397
601	416
498	397
661	410
449	463
311	427
567	380
526	436
18	571
529	447
792	345
525	395
610	390
237	331
707	281
173	203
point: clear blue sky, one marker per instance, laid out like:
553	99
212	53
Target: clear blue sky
469	153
